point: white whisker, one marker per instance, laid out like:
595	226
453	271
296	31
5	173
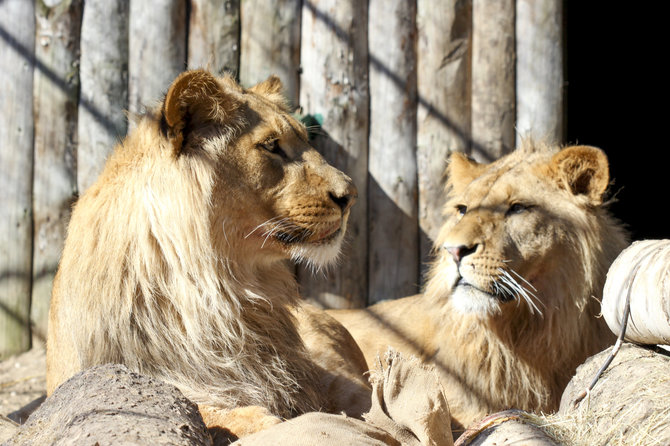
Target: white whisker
261	225
276	226
223	231
509	286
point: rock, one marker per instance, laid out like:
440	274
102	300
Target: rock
110	405
7	428
628	405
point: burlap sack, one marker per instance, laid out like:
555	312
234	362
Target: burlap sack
408	409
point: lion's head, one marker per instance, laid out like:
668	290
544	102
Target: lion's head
173	264
522	230
278	197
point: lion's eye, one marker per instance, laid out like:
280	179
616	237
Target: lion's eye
274	147
517	208
461	209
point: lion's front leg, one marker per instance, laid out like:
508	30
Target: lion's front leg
227	425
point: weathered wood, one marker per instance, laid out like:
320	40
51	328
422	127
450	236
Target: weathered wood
392	189
540	70
157	50
213	36
334	49
103	74
55	177
493	79
270	41
443	116
17	46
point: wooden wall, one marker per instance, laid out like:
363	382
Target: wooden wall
397	86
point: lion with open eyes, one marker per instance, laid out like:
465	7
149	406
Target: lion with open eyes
174	262
511	303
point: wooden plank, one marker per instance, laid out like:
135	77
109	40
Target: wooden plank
104	85
443	116
333	87
17	44
270	41
493	79
213	36
157	50
392	188
540	70
55	184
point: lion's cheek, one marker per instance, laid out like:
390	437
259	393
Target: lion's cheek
531	245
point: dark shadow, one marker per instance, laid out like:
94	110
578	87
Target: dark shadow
222	436
393	247
616	101
21	415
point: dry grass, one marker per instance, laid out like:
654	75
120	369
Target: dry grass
628	406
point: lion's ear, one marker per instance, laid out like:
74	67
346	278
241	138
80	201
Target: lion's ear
270	86
462	170
272	89
582	170
194	99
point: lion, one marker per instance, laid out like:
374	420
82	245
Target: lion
175	259
510	305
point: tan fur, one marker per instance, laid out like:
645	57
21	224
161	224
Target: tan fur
174	262
537	212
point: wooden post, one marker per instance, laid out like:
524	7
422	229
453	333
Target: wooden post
270	42
334	89
157	50
104	85
17	46
493	95
392	190
55	177
540	70
443	117
213	36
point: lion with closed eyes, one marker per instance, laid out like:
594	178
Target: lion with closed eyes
175	260
511	303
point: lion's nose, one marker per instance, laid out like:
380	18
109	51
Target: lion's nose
458	252
345	197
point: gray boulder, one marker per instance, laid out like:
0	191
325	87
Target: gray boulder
110	405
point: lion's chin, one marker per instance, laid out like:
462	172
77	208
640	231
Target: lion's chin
318	255
467	299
